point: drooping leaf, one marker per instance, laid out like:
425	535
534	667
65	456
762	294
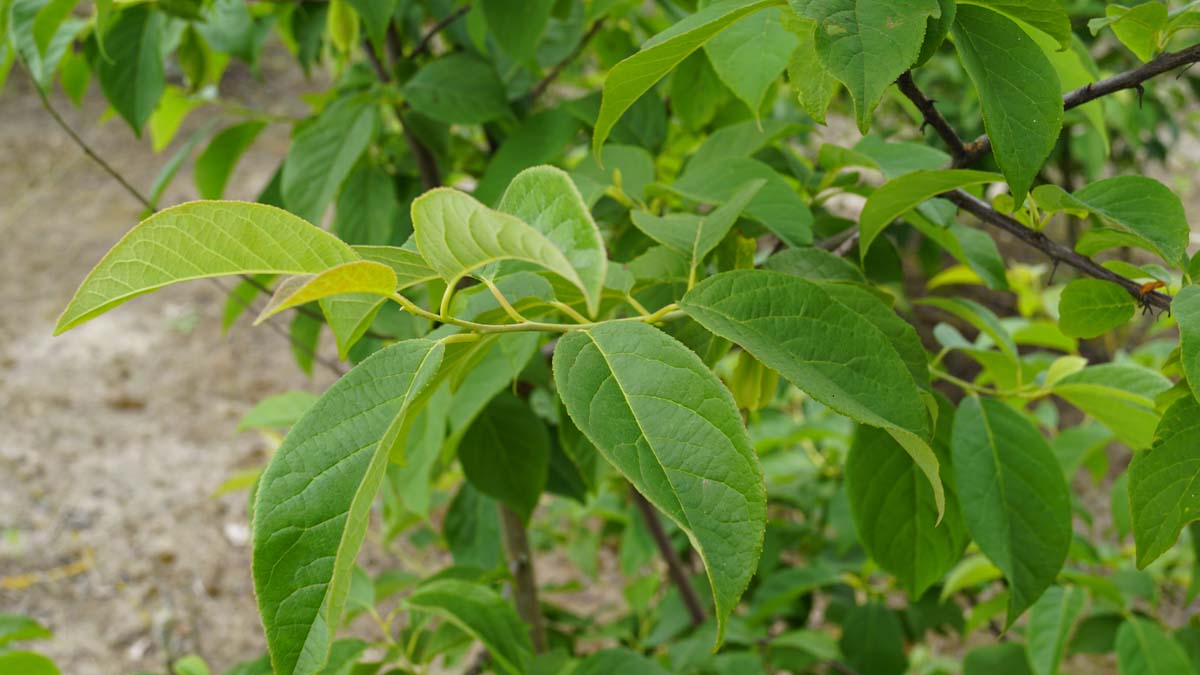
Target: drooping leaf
376	17
547	199
1091	307
873	640
506	452
27	663
314	499
457	89
776	204
517	27
198	240
1050	622
1014	499
1139	27
1018	90
484	615
1164	482
814	264
634	76
1143	648
823	347
1119	396
360	276
368	208
1144	207
540	138
323	153
696	92
1049	17
278	412
458	236
904	193
867	44
216	163
751	54
1007	657
1186	308
618	660
18	627
132	77
695	235
472	529
661	417
813	84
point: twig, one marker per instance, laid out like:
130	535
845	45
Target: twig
525	589
552	75
675	568
1131	79
1057	252
423	43
931	115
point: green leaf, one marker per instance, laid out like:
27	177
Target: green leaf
634	76
483	614
168	116
696	236
1007	657
457	89
471	529
27	663
1050	622
341	26
813	84
618	660
518	27
1186	307
190	665
823	347
323	153
278	412
867	44
661	417
547	199
360	276
17	627
542	137
1018	90
1139	28
1144	649
459	236
750	55
1164	482
696	92
305	336
230	28
17	40
895	511
632	165
132	77
1119	396
216	163
1144	207
367	206
48	20
198	240
506	453
1014	498
315	497
905	193
1049	17
873	640
814	264
377	18
776	204
1088	308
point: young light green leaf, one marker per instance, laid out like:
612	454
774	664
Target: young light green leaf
18	627
868	44
1144	649
505	453
1119	396
1139	27
376	18
47	21
661	417
27	663
905	193
547	199
483	614
1091	307
458	236
1018	90
1050	622
198	240
751	54
360	276
215	164
457	89
1164	482
634	76
823	347
1014	498
323	153
1049	17
132	77
1144	207
278	412
315	497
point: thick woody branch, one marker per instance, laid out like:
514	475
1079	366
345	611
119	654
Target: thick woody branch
1131	79
932	117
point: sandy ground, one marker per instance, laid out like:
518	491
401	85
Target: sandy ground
114	435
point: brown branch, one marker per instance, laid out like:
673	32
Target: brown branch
552	75
525	590
1131	79
1056	251
427	38
932	117
675	567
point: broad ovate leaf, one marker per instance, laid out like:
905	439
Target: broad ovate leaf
1120	396
1018	90
867	44
483	614
546	198
1143	648
1014	498
457	236
360	276
505	453
1164	481
634	76
1091	307
1144	207
751	54
824	347
198	240
315	497
1186	307
1050	622
1049	17
664	420
908	191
